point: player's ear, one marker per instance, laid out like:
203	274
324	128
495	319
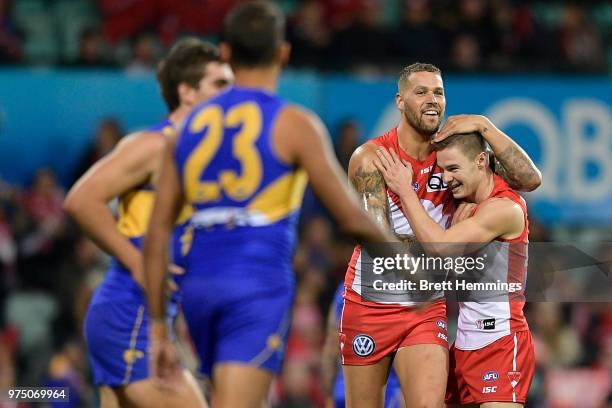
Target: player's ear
225	52
482	160
284	52
186	94
399	102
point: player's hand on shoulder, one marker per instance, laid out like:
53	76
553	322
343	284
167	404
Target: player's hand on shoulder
463	212
398	173
461	124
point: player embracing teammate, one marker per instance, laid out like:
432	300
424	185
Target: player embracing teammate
401	166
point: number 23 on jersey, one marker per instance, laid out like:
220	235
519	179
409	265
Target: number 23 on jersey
238	186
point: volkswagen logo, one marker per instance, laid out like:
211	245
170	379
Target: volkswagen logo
363	345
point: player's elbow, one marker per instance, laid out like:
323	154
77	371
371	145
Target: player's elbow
72	205
350	226
535	182
529	182
527	186
81	203
358	229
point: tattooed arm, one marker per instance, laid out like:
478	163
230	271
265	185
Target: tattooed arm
369	184
371	187
512	162
374	200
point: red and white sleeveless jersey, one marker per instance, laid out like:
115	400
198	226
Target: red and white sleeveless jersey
481	323
434	195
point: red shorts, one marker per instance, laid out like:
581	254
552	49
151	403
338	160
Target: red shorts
370	332
499	372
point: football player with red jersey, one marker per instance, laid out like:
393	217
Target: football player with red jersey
373	335
492	361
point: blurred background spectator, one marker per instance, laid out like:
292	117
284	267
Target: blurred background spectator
92	50
580	39
10	41
348	139
107	136
309	35
145	55
499	35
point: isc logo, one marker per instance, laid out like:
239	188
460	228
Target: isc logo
489	390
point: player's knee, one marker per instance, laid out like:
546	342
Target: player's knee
428	401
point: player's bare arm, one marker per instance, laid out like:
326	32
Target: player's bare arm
301	138
329	355
127	166
512	162
371	186
164	364
369	183
168	203
494	218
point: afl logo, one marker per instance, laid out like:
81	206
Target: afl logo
490	376
363	345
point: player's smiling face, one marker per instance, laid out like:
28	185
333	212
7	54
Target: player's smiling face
461	174
422	102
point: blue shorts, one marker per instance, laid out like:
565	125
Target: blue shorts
117	340
117	331
234	321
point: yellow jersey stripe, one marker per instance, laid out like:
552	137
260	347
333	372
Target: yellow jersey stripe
282	197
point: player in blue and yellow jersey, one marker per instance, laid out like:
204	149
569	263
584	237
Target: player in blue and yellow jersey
116	325
333	378
241	161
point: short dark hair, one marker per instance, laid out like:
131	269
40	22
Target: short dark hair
185	63
254	31
411	69
471	143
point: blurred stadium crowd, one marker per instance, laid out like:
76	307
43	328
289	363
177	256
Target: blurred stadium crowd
49	269
371	35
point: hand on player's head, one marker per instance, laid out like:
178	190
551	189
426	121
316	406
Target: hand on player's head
459	124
